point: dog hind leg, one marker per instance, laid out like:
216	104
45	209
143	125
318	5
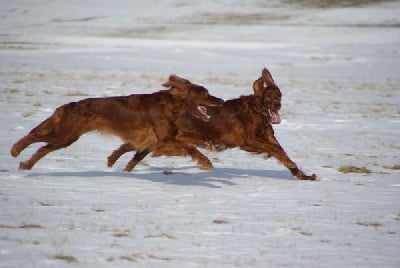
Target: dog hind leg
20	145
47	131
41	152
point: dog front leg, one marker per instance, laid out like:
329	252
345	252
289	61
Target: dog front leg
275	150
280	154
136	159
113	157
282	157
178	148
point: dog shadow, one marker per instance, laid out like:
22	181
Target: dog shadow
216	178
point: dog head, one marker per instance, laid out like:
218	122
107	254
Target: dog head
270	94
196	98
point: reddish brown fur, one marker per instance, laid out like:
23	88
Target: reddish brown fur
141	120
243	122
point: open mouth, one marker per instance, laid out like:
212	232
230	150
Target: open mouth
275	117
201	112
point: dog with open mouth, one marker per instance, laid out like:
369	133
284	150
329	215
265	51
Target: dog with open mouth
244	122
140	120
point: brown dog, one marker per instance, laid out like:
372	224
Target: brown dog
141	120
244	122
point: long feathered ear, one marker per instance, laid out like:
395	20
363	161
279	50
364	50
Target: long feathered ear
179	91
258	87
267	77
176	81
174	84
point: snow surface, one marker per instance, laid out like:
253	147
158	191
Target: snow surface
338	69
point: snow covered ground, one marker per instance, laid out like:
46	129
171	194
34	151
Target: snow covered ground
338	69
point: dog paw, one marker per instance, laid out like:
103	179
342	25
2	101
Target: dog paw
313	177
110	161
14	152
128	168
206	166
301	176
25	166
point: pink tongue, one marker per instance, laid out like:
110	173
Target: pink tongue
202	110
275	118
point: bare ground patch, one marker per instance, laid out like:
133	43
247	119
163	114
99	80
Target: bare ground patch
67	258
354	169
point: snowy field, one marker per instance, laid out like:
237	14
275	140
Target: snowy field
338	69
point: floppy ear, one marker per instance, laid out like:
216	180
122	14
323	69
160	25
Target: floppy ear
179	91
174	84
169	82
258	87
176	81
267	77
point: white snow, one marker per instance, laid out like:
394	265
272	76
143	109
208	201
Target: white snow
337	69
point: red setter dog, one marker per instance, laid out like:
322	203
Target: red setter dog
243	122
140	120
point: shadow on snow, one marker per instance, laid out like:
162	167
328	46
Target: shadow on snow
214	178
